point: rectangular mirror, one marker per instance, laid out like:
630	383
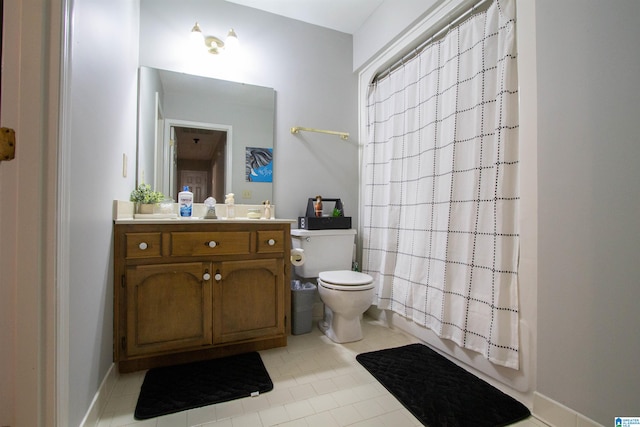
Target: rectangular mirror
213	135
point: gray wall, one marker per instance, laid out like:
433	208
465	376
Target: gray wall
308	66
385	25
589	205
101	128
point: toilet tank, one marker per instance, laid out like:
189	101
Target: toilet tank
324	250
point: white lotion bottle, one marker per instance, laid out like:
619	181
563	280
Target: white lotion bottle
185	202
231	209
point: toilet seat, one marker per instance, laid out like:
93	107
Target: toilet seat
345	280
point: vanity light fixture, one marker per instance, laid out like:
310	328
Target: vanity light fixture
213	44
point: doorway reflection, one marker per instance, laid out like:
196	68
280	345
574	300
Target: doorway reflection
200	162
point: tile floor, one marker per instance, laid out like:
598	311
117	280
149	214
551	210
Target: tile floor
316	383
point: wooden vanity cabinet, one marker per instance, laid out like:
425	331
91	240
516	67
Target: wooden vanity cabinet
198	290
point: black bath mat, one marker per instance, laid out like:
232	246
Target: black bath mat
178	388
437	391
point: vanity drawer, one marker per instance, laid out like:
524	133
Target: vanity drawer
270	241
210	243
143	245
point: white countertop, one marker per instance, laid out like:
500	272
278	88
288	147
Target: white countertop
123	213
196	220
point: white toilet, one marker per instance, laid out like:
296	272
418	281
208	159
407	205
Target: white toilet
346	294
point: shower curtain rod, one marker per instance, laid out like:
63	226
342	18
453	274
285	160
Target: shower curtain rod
453	18
297	129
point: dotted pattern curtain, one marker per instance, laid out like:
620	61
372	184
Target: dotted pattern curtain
440	179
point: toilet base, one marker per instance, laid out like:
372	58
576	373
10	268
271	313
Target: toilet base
340	329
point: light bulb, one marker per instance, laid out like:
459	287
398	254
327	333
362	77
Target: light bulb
231	42
196	36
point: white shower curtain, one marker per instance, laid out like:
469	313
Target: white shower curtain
440	179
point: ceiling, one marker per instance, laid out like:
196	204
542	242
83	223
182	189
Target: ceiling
340	15
199	144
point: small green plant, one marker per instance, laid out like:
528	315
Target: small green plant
143	194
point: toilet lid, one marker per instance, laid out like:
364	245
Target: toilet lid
345	278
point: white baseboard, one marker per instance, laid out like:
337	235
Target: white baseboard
554	413
99	402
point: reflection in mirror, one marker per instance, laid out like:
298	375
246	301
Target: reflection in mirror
197	157
199	131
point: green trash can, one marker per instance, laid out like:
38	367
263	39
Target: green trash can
302	297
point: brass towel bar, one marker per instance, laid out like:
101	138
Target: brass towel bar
297	129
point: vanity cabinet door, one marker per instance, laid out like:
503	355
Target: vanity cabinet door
168	307
249	299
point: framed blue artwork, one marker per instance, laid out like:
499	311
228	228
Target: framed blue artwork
259	164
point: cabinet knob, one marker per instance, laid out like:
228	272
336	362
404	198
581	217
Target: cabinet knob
206	276
143	246
212	244
271	242
218	277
